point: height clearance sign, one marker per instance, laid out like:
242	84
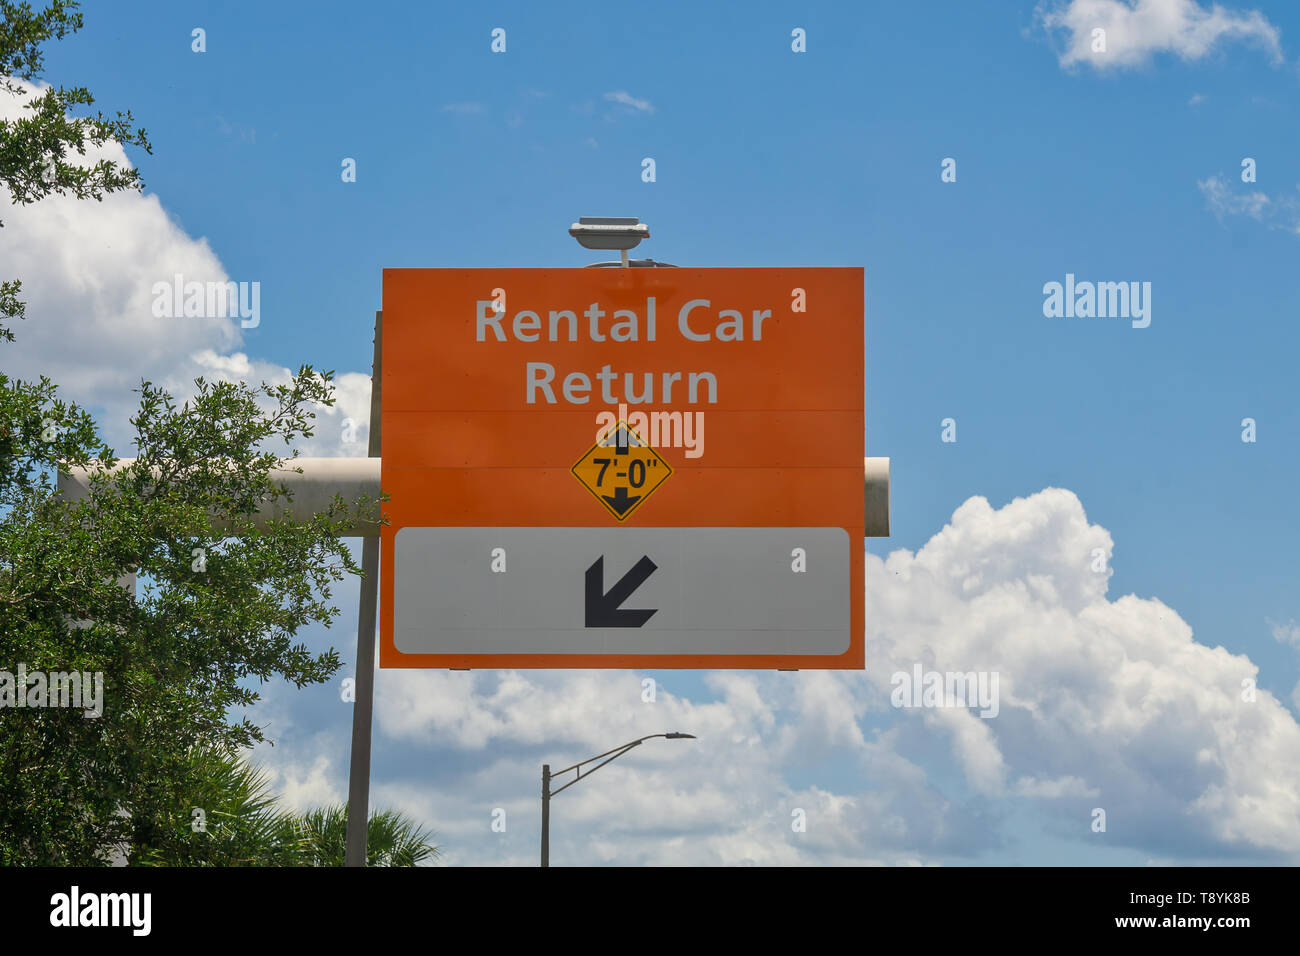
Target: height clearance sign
623	467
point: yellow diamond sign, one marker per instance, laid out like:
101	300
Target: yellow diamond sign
621	471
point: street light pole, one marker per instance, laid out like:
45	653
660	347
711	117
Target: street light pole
547	777
546	814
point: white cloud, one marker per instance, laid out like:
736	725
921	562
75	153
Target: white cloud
1288	633
1115	696
305	787
1276	212
1225	202
721	799
1055	789
88	269
1135	30
624	98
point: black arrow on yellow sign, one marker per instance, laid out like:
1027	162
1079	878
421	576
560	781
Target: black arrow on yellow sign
603	606
620	500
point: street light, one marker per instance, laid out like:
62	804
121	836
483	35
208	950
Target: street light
547	777
613	232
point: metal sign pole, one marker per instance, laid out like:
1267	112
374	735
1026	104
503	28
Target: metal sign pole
546	814
363	706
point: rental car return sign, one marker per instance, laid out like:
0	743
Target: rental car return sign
623	467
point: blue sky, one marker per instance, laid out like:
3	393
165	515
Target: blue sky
1119	169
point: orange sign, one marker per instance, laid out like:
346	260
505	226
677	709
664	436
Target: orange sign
733	399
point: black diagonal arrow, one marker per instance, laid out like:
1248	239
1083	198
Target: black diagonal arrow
603	607
620	501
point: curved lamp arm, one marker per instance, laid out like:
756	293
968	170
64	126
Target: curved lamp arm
609	755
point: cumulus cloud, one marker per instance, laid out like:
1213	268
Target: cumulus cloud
1104	702
88	271
1136	30
1117	697
725	798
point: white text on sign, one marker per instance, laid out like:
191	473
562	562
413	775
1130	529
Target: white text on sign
696	322
527	324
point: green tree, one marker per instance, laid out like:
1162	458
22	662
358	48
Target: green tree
177	657
221	812
242	825
218	611
391	839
